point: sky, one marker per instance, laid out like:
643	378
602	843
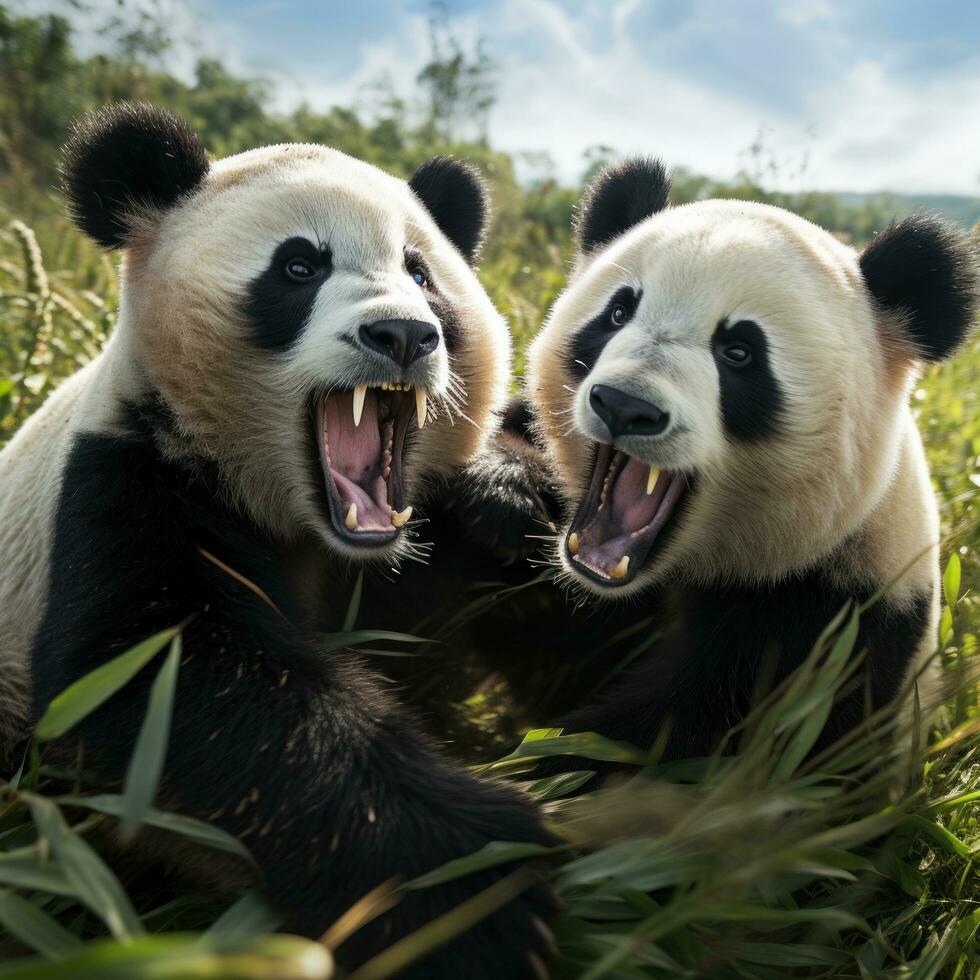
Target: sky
863	95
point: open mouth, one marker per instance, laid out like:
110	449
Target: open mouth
628	505
361	439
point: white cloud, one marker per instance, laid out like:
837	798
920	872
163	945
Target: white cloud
571	80
865	129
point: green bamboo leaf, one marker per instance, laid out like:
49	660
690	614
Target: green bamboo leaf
553	787
35	928
88	692
146	762
196	830
923	825
338	641
844	644
786	955
951	580
182	956
94	884
249	916
537	734
802	741
29	871
945	626
588	745
354	606
489	856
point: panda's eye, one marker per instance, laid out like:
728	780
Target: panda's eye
619	315
737	354
299	270
419	278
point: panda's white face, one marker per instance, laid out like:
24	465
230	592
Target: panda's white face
717	395
316	336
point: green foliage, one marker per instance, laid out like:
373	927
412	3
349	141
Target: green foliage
767	864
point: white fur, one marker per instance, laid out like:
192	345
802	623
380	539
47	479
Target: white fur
180	333
844	482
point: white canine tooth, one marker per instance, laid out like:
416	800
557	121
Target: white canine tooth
420	406
399	519
359	392
620	570
652	479
351	519
573	544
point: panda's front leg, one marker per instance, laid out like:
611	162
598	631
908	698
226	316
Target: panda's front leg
311	762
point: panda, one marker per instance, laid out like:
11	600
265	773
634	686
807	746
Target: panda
723	392
302	348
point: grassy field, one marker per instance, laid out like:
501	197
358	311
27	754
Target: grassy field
762	865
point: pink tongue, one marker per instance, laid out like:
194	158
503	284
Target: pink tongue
356	460
627	509
632	506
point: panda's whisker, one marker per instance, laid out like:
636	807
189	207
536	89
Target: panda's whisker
629	272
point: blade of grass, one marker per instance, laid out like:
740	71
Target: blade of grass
94	884
96	687
35	928
150	752
354	606
250	915
489	856
446	927
189	827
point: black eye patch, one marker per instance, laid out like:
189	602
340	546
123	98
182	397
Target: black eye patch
279	301
751	398
589	342
441	306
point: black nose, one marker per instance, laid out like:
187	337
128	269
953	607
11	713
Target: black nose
404	341
625	415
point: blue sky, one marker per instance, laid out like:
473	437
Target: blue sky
859	95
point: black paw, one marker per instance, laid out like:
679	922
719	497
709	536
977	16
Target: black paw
512	941
505	501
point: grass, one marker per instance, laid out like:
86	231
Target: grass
764	864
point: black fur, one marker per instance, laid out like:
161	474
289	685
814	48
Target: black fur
751	398
590	341
700	679
302	753
447	315
455	194
705	651
488	524
127	157
618	198
922	270
277	307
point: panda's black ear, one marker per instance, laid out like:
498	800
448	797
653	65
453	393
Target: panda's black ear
126	158
922	272
456	196
618	198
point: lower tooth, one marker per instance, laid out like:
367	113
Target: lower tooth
399	519
620	570
351	519
573	544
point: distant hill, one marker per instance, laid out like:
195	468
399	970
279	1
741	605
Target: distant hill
965	210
